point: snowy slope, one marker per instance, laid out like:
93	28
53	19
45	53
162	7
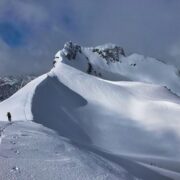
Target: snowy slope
108	111
19	104
109	104
31	151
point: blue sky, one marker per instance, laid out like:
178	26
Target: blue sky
12	34
32	31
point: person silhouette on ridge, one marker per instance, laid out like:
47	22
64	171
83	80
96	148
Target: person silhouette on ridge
9	116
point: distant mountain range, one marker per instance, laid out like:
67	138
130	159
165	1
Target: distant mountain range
11	84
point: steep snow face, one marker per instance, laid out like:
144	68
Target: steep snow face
109	62
111	112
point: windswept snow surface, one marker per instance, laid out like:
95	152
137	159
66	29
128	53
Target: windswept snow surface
134	119
119	117
31	151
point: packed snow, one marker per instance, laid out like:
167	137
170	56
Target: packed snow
113	117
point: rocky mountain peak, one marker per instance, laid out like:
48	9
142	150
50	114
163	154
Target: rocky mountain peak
91	60
70	50
110	52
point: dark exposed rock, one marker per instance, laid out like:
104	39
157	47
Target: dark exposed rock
111	54
71	50
89	71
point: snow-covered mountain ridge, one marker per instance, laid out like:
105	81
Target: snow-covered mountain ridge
106	103
109	62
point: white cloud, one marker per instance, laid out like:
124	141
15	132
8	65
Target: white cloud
26	11
31	12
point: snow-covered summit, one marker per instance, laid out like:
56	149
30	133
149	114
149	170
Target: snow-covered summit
91	59
110	52
109	62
